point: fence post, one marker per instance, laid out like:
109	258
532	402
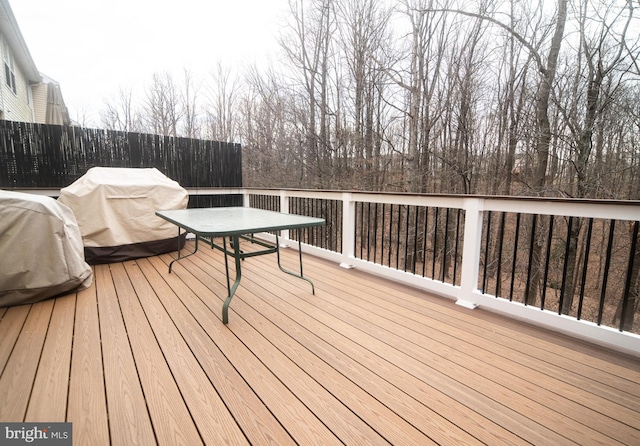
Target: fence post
348	230
284	207
471	251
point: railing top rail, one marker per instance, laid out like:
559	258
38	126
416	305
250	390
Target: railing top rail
264	190
454	196
275	191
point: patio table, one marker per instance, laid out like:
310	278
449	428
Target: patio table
233	224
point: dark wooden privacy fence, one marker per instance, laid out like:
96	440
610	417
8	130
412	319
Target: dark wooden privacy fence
53	156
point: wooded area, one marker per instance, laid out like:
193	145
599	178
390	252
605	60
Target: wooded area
436	96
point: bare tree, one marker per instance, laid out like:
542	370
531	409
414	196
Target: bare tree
81	118
120	114
221	110
602	57
190	127
364	38
512	102
267	139
307	45
162	111
429	38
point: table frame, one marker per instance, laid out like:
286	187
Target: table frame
231	248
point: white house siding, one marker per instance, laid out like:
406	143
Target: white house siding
15	106
40	102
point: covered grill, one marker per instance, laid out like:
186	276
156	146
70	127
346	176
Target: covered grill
41	252
115	209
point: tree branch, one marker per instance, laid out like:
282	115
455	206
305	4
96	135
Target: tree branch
518	37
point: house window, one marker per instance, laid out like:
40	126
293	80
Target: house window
9	71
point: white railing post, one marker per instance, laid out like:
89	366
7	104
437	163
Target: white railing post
471	252
284	207
348	230
246	198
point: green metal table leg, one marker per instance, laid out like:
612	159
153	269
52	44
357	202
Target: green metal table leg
180	257
235	243
301	275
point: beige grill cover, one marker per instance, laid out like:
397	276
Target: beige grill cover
41	253
116	206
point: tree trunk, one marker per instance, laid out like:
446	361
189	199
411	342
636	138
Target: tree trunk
543	139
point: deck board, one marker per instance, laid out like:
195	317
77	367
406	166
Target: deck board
129	421
214	422
87	405
298	419
260	426
419	375
168	411
142	357
301	329
48	400
512	386
10	327
18	376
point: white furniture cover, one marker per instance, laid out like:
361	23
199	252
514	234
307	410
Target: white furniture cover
115	209
41	253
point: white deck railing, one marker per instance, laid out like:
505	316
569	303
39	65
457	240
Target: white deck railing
466	291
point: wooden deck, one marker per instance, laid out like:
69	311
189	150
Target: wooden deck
142	357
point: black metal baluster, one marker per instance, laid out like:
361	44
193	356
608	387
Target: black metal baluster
335	225
375	232
382	230
533	240
500	245
515	256
390	234
446	245
339	224
605	277
486	253
435	243
546	267
406	238
359	226
330	217
313	232
296	203
304	210
398	244
368	231
565	266
415	242
583	280
455	258
424	240
627	285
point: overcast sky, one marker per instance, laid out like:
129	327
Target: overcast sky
94	47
